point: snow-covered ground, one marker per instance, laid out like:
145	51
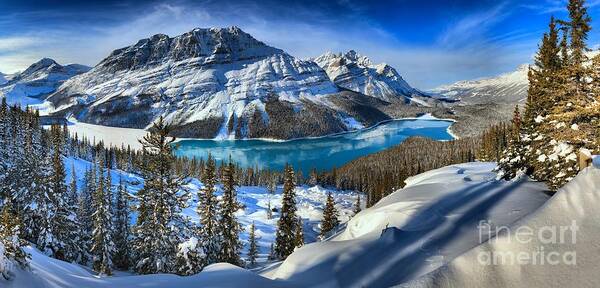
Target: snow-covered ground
556	246
430	222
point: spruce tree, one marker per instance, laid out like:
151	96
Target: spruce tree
299	233
357	205
158	231
121	258
230	226
330	217
253	246
63	241
514	160
11	243
190	258
103	246
286	225
208	211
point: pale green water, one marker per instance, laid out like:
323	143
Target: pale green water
321	153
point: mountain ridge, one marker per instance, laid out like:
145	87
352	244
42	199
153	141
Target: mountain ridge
215	83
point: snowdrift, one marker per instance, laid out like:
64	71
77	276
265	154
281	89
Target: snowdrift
575	256
430	222
51	273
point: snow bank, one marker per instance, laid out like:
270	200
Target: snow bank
430	222
569	259
47	272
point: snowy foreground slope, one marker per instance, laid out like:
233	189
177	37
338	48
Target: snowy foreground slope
575	259
431	221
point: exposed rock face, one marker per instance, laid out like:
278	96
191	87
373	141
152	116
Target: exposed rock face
209	83
37	81
508	88
357	73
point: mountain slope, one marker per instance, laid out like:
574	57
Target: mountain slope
38	81
508	88
217	82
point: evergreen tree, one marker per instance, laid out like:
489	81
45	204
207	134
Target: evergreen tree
208	211
190	257
121	258
253	246
158	231
330	217
62	239
299	233
11	250
514	160
357	205
286	225
84	215
230	226
103	246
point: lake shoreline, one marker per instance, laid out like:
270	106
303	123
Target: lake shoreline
426	117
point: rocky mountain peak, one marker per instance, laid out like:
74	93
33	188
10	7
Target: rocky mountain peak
208	45
356	72
43	63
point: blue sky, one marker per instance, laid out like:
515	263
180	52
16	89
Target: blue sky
428	42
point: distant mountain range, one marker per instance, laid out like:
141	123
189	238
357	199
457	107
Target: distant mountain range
222	83
508	88
38	81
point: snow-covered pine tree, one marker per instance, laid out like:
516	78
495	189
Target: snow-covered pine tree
286	225
121	257
299	233
572	122
73	191
63	240
84	214
103	246
252	246
330	217
160	223
357	205
230	226
208	211
190	258
11	244
514	159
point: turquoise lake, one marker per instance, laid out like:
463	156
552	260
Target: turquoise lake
322	153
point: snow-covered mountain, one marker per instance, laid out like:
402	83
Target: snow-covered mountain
508	88
37	81
217	82
357	73
4	78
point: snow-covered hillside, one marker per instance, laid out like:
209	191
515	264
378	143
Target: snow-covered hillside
217	82
508	88
357	73
414	230
411	232
31	86
567	257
